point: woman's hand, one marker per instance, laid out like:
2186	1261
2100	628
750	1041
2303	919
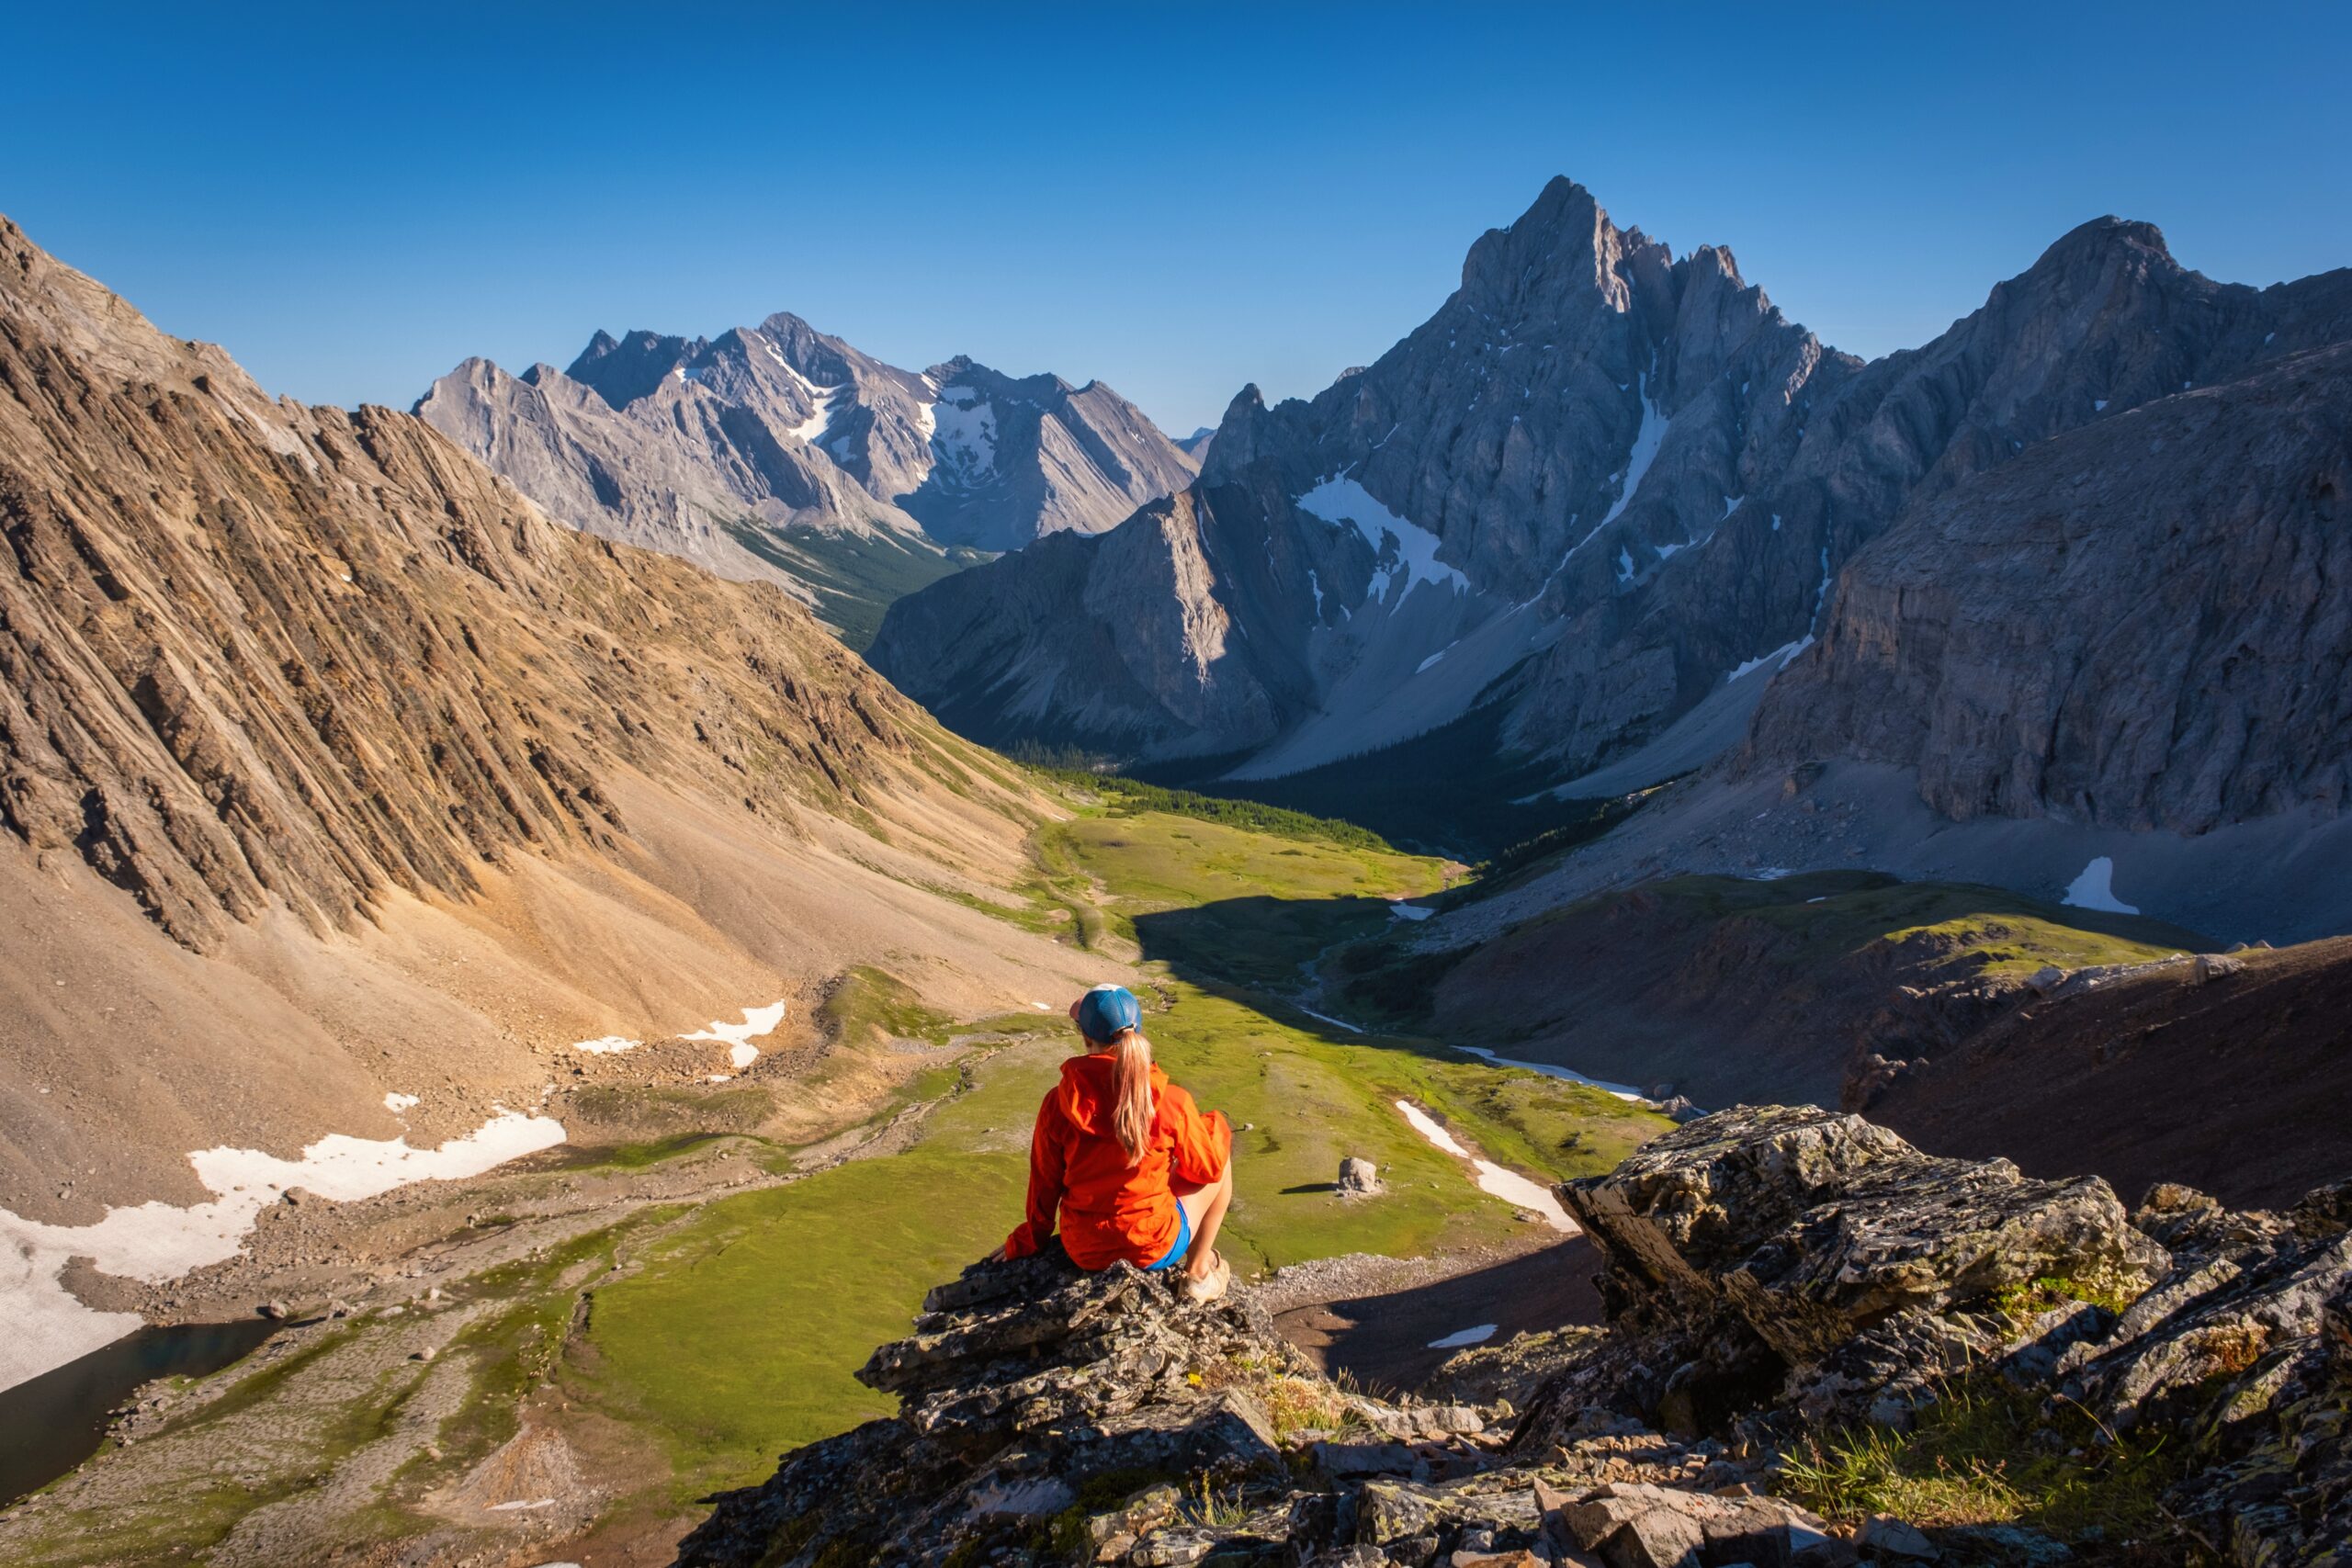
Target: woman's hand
996	1257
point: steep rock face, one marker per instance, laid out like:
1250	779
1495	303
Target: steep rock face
1130	639
1602	480
1013	460
2126	625
702	447
259	653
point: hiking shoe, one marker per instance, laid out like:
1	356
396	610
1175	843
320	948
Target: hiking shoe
1208	1287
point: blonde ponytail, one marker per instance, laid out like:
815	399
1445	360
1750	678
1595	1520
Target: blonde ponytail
1131	1093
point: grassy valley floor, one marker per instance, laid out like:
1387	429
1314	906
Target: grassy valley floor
578	1348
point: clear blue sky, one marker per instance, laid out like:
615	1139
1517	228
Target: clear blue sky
1175	199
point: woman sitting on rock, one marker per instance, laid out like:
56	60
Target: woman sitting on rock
1135	1169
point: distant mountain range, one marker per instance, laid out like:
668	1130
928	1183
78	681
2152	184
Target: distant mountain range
779	452
1569	529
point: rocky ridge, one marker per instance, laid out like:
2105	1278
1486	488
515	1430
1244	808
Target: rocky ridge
259	653
1602	489
1771	1275
752	450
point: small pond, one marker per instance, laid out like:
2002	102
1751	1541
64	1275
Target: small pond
54	1422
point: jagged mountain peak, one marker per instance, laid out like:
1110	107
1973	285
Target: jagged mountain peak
1045	387
624	370
2103	236
1595	488
1234	443
685	443
1560	249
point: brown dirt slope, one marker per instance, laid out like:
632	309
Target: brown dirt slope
329	768
2241	1087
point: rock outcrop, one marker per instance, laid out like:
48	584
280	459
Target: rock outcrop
1606	491
1772	1275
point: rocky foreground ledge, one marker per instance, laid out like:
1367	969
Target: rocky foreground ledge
1780	1284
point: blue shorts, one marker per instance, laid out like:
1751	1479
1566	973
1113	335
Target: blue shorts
1183	1246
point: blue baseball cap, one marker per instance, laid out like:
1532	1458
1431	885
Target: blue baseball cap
1107	1011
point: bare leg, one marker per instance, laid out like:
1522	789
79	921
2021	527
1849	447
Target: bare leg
1205	1207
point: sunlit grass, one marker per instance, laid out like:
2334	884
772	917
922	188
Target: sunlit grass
1987	1453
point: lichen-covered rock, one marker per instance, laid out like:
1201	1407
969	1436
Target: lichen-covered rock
1808	1260
1813	1226
2242	1349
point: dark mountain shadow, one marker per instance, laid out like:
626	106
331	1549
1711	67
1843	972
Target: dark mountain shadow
1442	792
1384	1341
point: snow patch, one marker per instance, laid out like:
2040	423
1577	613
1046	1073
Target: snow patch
607	1046
1433	657
963	437
737	1037
1463	1337
158	1242
1783	653
1414	912
1508	1185
1646	441
1342	499
396	1104
2094	889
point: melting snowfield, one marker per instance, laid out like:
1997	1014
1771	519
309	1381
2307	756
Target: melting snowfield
1623	1091
1508	1185
1342	500
737	1037
1467	1337
158	1242
2094	889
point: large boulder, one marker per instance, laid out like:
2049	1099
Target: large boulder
1777	1255
1813	1226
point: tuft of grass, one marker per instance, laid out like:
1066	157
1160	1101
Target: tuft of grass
1212	1508
1987	1453
2030	1298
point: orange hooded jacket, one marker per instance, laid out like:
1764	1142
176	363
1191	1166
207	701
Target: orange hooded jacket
1110	1210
